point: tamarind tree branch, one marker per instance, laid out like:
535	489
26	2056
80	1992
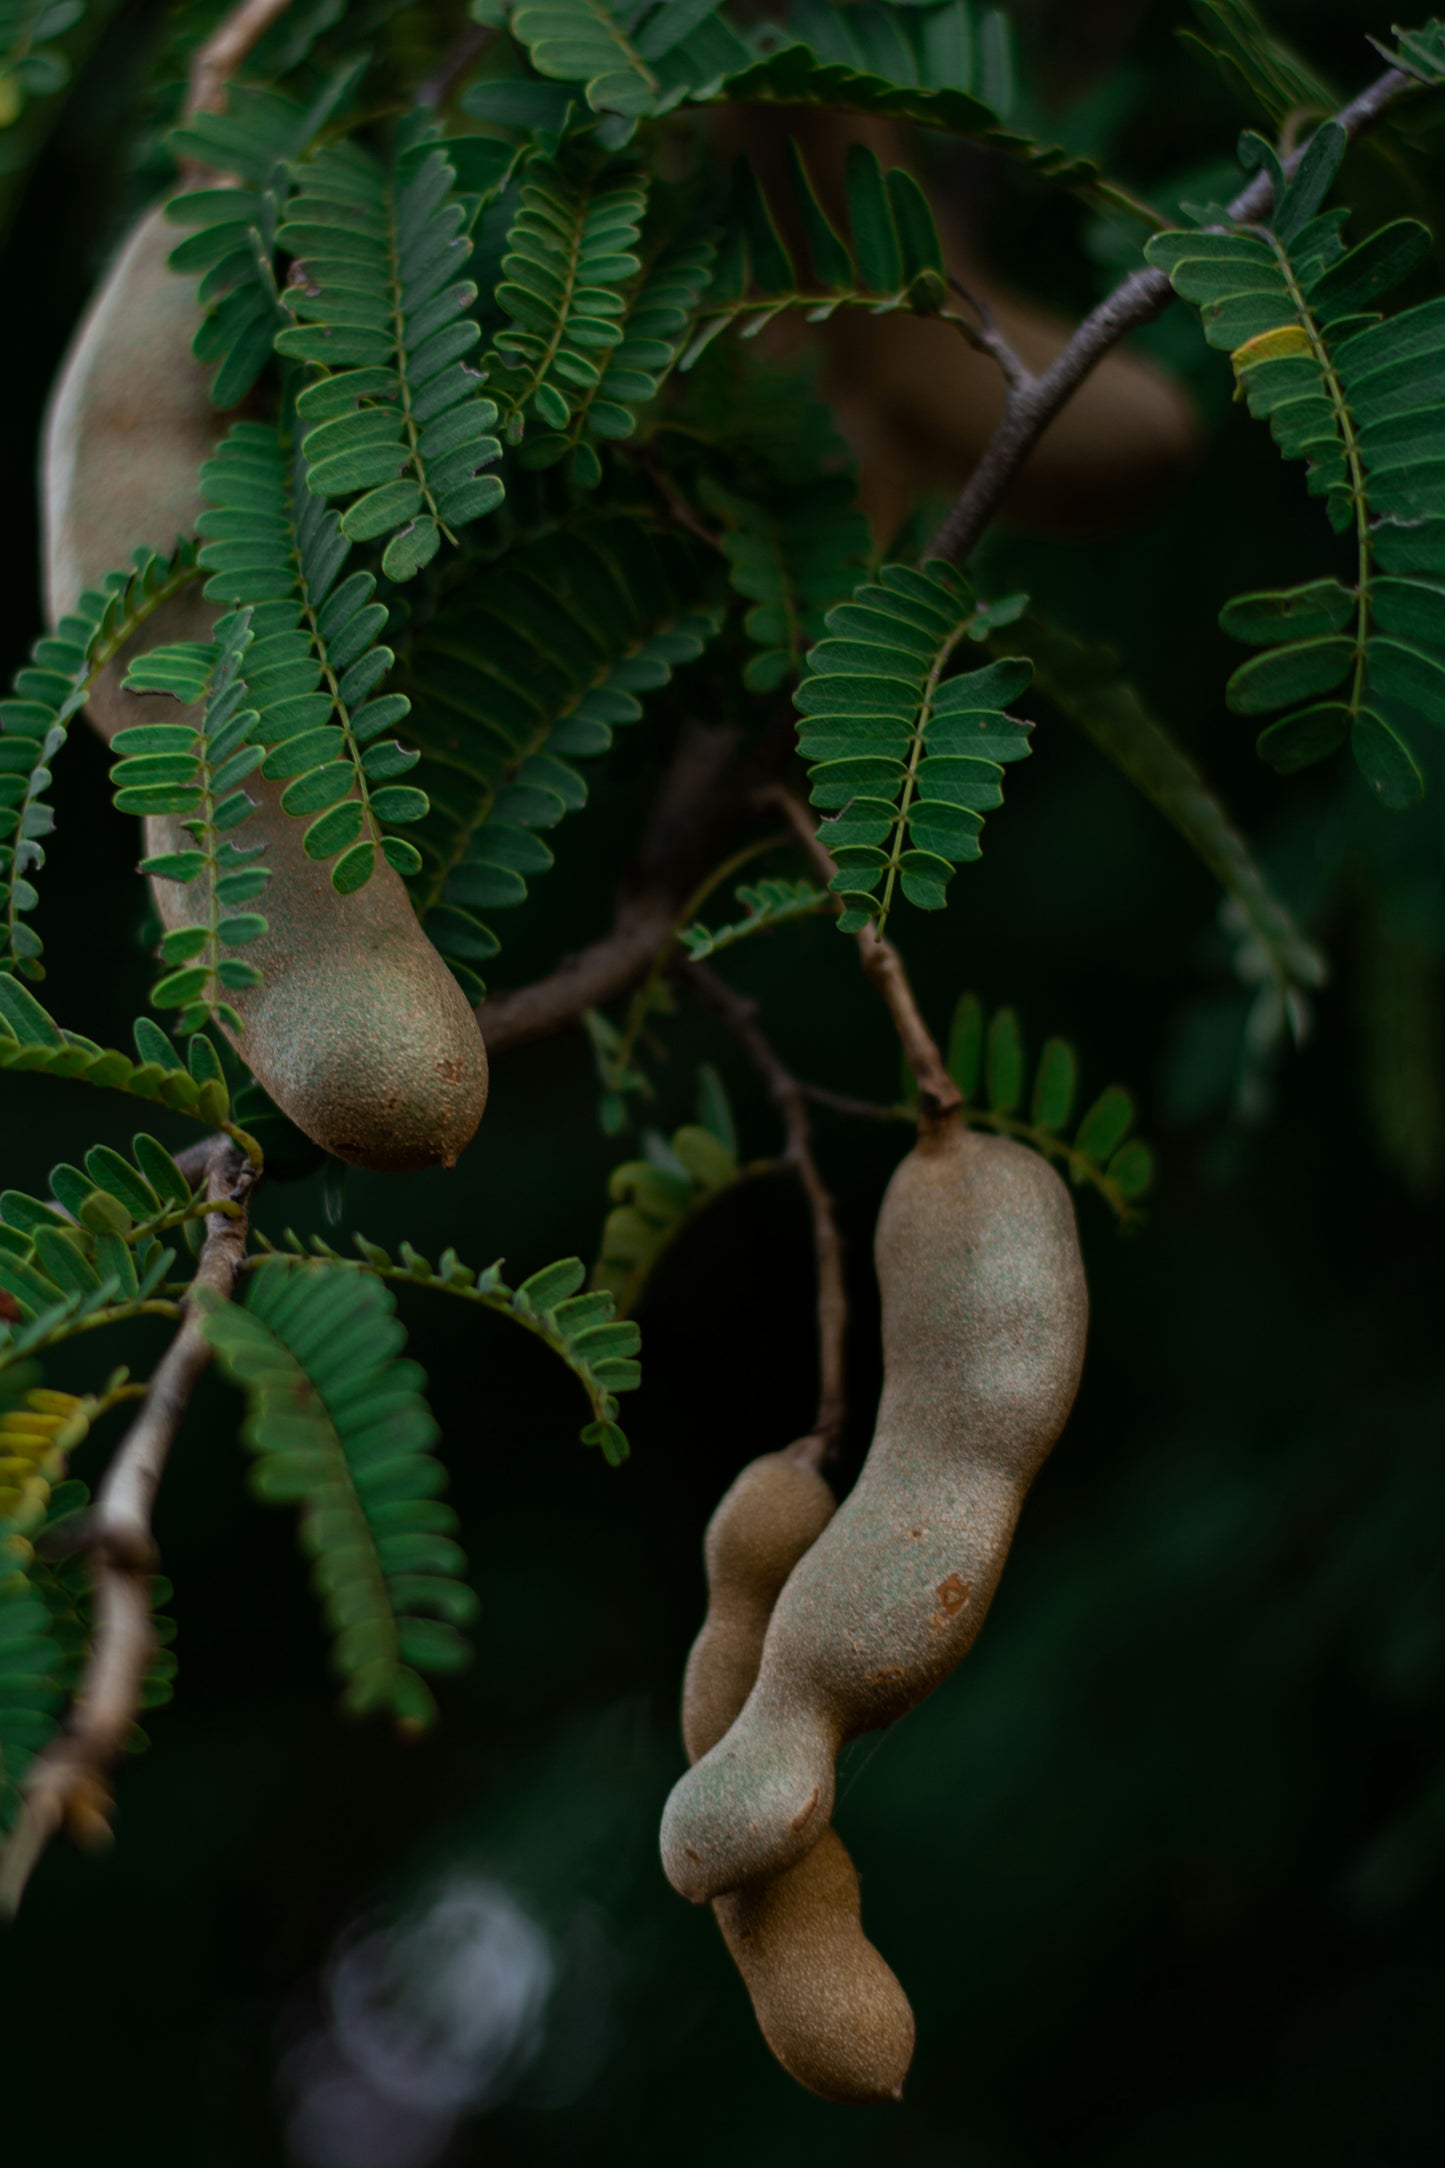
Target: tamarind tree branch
697	807
67	1785
1033	401
740	1015
217	58
938	1095
850	1109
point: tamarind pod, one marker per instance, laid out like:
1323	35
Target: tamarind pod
357	1029
830	2008
985	1312
774	1512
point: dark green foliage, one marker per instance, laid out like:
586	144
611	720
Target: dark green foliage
597	320
336	1420
30	65
44	1590
41	1635
792	558
571	259
893	258
258	140
1084	684
1420	53
46	1605
94	1240
1265	73
1360	657
393	420
948	66
657	314
986	1060
195	772
768	903
903	759
628	60
30	1039
49	693
315	670
656	1197
534	670
597	1347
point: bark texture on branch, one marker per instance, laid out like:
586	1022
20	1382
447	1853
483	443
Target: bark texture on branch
68	1787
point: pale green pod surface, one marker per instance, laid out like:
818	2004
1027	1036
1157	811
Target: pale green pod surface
357	1030
829	2006
985	1312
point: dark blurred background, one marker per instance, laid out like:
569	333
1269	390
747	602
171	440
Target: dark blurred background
1161	1866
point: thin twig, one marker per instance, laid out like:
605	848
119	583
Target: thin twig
850	1109
676	505
987	337
740	1015
67	1786
938	1095
216	60
696	810
1032	405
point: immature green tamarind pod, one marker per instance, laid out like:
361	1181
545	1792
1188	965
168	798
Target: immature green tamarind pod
985	1312
357	1029
829	2007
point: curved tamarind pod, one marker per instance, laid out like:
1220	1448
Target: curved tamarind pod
357	1029
985	1312
829	2007
774	1512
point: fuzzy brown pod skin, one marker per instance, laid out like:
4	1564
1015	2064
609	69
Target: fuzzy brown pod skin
357	1030
985	1312
829	2007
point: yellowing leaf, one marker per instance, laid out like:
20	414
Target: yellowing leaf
1276	345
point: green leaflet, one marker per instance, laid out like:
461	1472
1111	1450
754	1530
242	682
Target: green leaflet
1420	53
95	1238
394	422
904	760
1357	398
765	904
533	670
39	1430
582	1329
194	772
30	66
316	667
232	245
570	262
630	61
656	1197
1259	67
32	1040
895	260
45	1626
339	1428
48	694
792	560
948	67
589	342
986	1060
1084	684
41	1636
